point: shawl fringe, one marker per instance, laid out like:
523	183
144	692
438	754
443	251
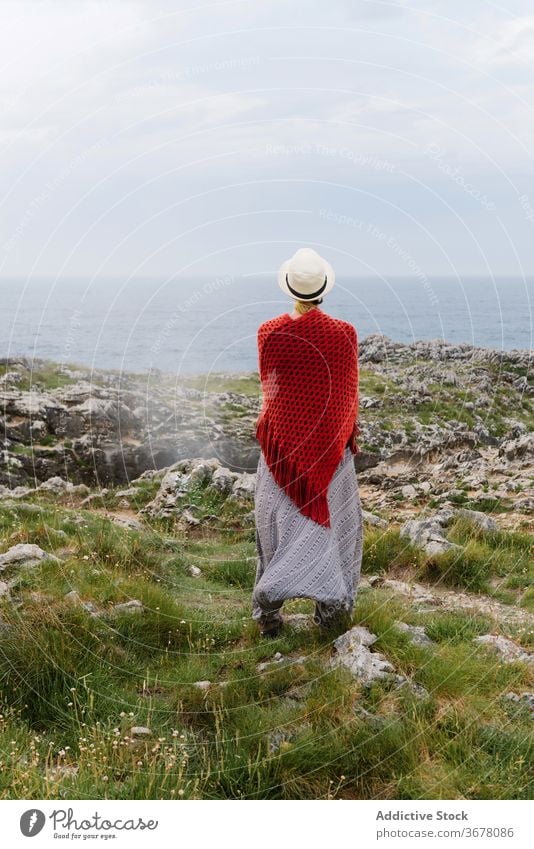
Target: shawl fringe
295	484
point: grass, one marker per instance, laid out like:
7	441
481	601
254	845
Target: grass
73	684
45	376
77	674
453	627
371	383
247	384
483	555
385	550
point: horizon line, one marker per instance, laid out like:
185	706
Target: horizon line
430	275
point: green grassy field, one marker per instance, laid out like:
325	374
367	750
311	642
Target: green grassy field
76	674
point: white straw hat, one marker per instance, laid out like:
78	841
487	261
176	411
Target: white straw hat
306	276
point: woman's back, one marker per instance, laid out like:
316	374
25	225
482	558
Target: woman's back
309	526
309	372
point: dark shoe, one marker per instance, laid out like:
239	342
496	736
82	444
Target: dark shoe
271	624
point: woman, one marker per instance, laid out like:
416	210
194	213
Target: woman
309	529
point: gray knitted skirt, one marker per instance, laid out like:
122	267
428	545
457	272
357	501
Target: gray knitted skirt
297	557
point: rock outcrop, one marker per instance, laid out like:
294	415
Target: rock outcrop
24	555
106	428
182	477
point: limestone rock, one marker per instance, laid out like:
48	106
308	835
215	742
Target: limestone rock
371	519
508	651
482	520
223	480
244	486
202	470
520	449
130	492
528	698
94	496
427	533
176	482
127	522
74	597
299	621
277	659
132	606
15	493
23	507
182	476
10	378
525	505
353	652
34	404
416	633
55	485
24	554
445	515
416	592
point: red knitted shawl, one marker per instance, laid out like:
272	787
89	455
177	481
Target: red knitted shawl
309	374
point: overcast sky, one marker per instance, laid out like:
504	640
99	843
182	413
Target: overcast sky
158	138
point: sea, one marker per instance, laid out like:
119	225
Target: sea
202	325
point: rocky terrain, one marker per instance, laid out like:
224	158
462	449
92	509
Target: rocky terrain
129	666
434	416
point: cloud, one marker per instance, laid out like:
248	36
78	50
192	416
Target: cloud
378	9
515	44
116	115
